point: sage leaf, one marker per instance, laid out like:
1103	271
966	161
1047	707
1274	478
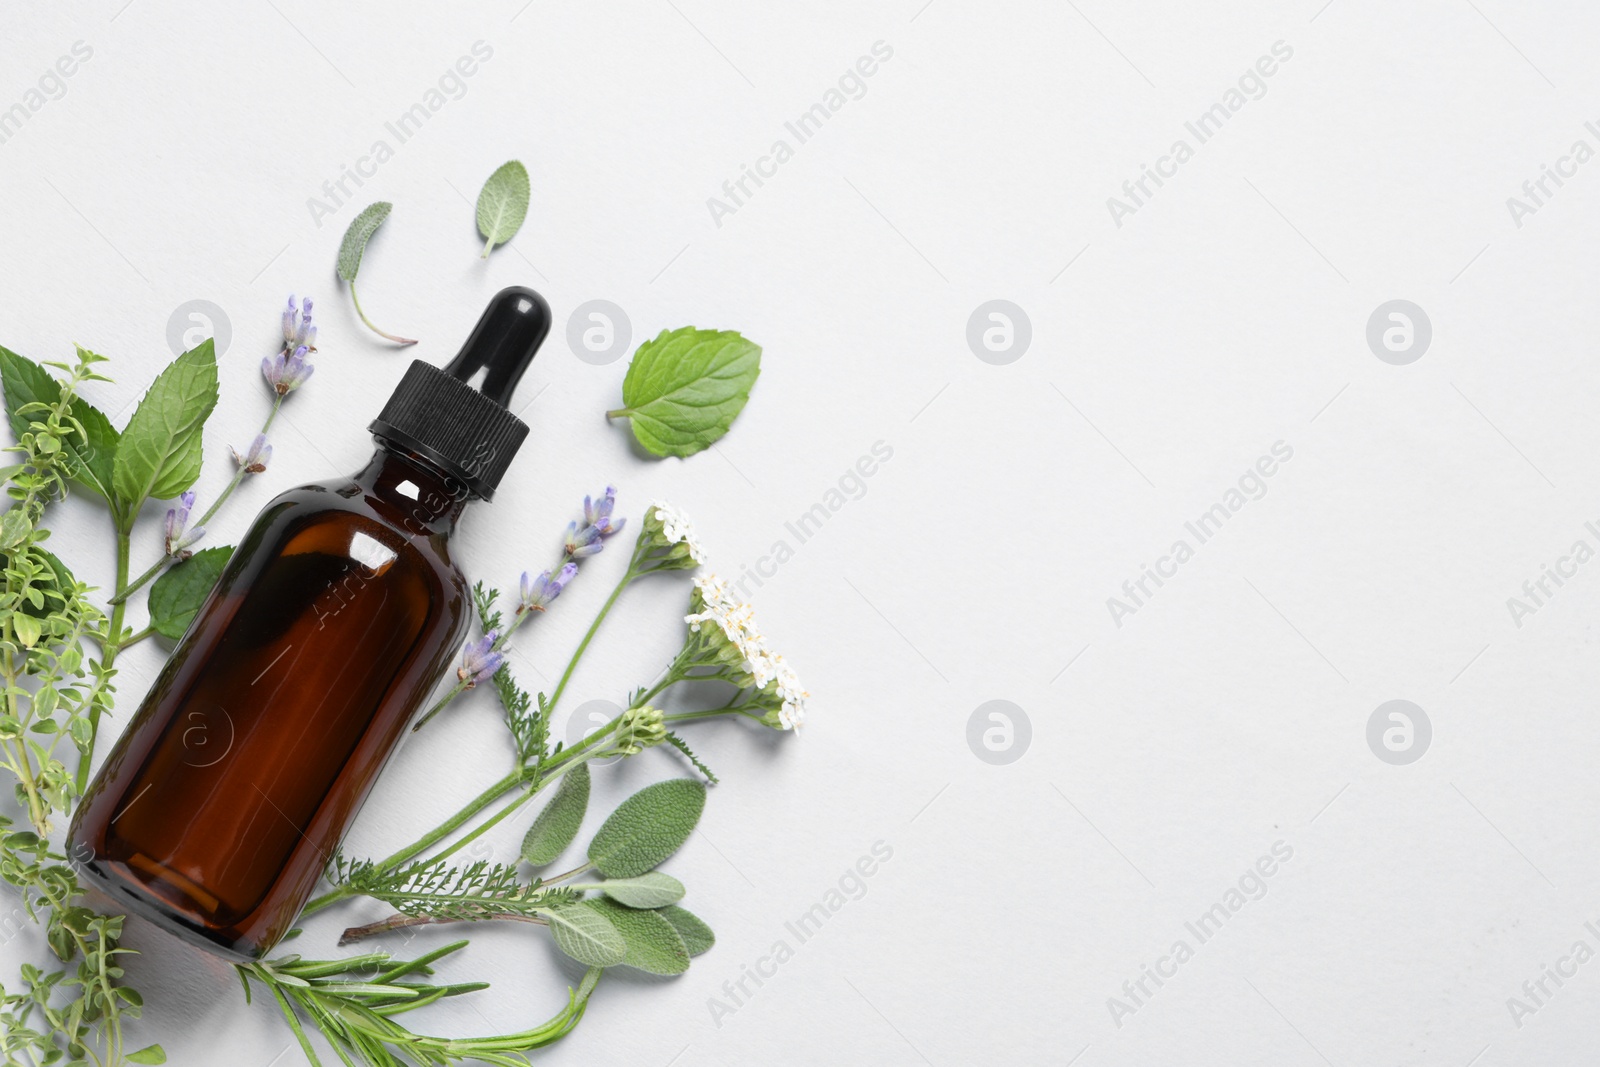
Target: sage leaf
697	936
647	828
177	595
503	204
649	890
653	944
558	823
159	452
684	389
362	227
26	382
351	249
586	935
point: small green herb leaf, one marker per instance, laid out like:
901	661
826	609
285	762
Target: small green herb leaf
28	629
503	204
356	237
697	936
653	944
14	528
148	1054
351	250
25	382
647	828
159	453
586	935
558	823
649	890
684	389
177	595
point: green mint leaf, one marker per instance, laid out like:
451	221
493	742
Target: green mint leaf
176	596
649	890
503	204
356	237
159	453
558	823
586	935
26	382
647	828
653	944
148	1054
697	936
684	389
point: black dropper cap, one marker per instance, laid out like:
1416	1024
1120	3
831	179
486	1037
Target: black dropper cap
456	417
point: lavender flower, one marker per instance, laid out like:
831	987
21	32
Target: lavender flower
256	457
178	535
480	659
537	593
597	526
598	514
298	330
286	372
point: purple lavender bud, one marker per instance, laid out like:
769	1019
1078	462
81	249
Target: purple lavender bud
286	373
256	457
479	659
178	537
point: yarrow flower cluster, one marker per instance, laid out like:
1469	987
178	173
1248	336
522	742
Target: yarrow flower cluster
597	526
480	659
178	535
537	593
669	531
735	644
638	729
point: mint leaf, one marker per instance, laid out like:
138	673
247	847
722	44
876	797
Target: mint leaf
653	944
176	596
684	389
558	823
697	936
26	382
647	828
649	890
503	204
159	452
362	227
586	935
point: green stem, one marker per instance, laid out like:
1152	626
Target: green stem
594	627
108	650
134	639
386	336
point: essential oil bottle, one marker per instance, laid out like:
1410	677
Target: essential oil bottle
218	809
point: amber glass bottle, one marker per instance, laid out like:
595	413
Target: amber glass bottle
217	810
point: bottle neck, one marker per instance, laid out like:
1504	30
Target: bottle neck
430	500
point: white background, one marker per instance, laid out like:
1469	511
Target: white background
1167	354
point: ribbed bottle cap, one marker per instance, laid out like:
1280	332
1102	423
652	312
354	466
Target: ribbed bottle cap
456	417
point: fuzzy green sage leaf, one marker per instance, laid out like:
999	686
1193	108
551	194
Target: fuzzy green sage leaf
697	936
503	204
649	890
558	823
353	247
684	389
647	828
159	452
653	943
586	935
176	596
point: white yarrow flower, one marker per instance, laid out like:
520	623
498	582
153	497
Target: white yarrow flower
677	529
765	669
